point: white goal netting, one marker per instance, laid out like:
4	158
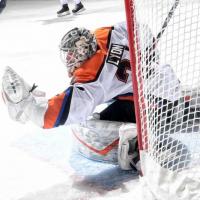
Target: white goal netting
164	38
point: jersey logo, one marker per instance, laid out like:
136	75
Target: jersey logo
122	73
115	54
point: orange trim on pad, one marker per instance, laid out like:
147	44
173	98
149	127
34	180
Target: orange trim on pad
101	152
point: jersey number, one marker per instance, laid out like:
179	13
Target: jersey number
121	73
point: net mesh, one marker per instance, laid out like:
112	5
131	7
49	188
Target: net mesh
167	69
167	50
168	65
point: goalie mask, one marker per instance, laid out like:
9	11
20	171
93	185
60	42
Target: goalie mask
77	46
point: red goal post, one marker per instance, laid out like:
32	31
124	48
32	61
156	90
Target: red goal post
130	15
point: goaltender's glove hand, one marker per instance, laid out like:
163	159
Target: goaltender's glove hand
18	95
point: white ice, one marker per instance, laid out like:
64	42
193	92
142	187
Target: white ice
36	164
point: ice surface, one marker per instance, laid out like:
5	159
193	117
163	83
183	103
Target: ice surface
37	164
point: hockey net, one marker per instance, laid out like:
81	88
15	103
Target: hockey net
164	42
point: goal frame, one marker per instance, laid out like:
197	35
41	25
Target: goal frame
163	38
130	14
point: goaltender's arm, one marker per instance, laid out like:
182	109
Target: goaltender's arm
73	105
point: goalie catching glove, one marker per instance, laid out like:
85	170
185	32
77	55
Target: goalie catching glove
22	100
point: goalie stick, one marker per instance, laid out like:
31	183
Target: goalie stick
169	16
150	51
164	26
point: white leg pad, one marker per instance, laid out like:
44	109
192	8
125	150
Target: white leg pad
127	132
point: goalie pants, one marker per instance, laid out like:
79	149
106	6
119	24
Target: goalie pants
120	110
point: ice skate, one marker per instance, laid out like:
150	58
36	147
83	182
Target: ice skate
63	11
78	9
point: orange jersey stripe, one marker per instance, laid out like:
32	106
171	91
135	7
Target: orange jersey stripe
89	69
54	106
102	37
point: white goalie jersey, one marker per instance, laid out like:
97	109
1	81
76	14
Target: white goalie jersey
103	77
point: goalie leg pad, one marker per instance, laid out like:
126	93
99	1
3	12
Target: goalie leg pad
128	153
97	140
108	141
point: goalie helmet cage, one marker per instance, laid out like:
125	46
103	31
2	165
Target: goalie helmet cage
164	43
